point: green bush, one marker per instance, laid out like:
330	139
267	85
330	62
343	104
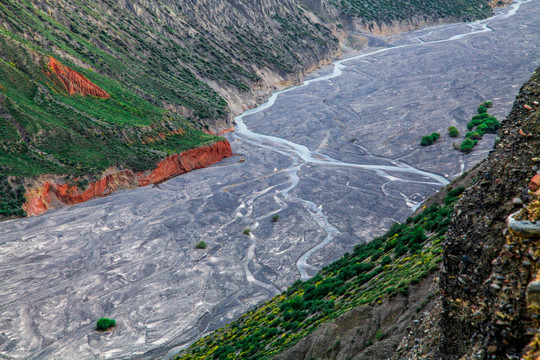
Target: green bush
275	218
201	245
380	335
386	260
453	131
246	231
466	146
104	324
426	140
429	139
482	109
487	104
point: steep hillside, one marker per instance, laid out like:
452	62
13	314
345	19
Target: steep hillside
383	300
485	269
383	17
87	89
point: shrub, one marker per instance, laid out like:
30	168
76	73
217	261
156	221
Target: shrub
429	139
376	255
482	109
104	324
426	140
453	131
466	146
201	245
275	218
246	231
487	104
386	260
380	335
475	136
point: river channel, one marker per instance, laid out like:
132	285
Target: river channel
338	158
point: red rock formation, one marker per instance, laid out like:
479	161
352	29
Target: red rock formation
75	82
227	130
51	195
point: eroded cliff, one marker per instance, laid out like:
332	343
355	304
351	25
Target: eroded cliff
52	194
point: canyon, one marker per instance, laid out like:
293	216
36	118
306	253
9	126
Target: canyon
338	159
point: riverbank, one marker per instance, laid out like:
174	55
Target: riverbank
52	195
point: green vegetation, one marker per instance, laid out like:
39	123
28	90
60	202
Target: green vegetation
385	10
44	130
12	199
104	324
386	266
246	231
275	218
480	124
430	139
201	245
467	145
453	131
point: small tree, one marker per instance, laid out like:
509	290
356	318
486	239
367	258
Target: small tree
104	324
435	136
246	231
275	218
453	131
482	109
201	245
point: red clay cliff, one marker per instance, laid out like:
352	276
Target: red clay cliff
51	195
75	82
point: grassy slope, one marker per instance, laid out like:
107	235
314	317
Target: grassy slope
385	266
382	11
145	60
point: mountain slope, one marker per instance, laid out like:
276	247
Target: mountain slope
383	17
485	308
89	88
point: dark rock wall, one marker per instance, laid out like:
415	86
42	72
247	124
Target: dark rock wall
478	264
